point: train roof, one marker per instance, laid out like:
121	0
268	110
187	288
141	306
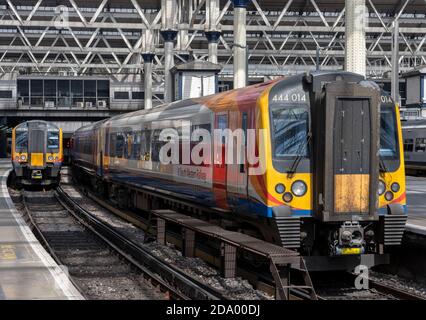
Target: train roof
46	123
232	99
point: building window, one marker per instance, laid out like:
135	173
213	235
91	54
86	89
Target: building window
103	88
63	88
121	95
159	96
421	145
138	95
23	88
408	145
5	94
50	88
77	88
37	88
90	88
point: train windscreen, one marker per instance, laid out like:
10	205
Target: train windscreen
53	140
290	131
388	133
21	140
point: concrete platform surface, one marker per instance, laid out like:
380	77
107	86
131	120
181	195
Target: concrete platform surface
27	271
416	204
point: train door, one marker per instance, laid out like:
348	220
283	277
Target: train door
106	150
219	165
99	152
352	155
237	177
37	144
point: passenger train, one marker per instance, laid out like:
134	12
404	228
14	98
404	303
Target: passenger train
414	132
329	182
37	153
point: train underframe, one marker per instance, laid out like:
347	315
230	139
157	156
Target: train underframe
26	175
325	246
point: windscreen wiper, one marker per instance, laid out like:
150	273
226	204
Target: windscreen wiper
296	162
382	166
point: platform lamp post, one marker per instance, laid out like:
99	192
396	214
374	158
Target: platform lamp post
240	43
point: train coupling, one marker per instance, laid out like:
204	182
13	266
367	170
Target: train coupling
36	175
349	240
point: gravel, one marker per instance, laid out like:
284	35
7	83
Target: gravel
234	288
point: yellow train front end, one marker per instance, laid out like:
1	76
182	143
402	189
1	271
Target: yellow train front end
334	183
37	153
392	186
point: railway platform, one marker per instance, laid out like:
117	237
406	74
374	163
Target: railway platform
416	205
27	271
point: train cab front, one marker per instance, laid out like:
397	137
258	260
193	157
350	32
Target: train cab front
37	153
344	167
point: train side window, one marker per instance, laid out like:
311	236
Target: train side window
112	144
136	145
222	124
119	146
156	145
145	145
421	145
408	145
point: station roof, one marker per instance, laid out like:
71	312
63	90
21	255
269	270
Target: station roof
384	6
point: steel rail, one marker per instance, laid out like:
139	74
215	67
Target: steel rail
141	257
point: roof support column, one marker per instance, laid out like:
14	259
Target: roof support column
168	32
395	62
356	52
212	32
240	43
183	38
148	54
147	58
213	38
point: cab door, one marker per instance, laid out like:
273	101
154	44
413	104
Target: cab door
352	155
219	165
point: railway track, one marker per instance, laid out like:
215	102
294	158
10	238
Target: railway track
188	287
340	286
377	290
100	261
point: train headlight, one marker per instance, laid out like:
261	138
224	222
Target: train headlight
389	196
50	158
23	157
299	188
280	188
288	197
395	187
382	188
